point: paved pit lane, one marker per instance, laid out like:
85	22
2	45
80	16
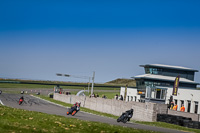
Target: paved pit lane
35	104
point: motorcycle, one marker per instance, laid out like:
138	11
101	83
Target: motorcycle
123	118
73	110
21	100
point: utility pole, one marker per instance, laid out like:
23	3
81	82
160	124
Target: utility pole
92	82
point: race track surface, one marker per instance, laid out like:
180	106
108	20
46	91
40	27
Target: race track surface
35	104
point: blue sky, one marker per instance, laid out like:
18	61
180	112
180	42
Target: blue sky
41	38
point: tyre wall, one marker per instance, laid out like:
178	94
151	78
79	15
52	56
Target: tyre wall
178	120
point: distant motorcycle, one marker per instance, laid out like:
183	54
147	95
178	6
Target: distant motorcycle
21	100
74	109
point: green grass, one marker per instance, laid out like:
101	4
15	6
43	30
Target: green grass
25	86
16	83
23	121
167	125
38	86
157	124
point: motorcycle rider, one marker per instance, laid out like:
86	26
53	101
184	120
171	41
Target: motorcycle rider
126	116
76	107
21	100
129	113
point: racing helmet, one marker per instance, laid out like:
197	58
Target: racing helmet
78	103
131	110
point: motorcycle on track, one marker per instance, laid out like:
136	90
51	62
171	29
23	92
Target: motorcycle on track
21	100
125	116
74	109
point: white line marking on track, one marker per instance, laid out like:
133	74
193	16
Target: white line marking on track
1	102
49	101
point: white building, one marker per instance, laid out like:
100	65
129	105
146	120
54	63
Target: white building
156	85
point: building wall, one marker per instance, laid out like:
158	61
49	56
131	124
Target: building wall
131	92
142	111
192	95
185	95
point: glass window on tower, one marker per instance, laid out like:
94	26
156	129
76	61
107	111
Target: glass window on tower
155	71
151	70
147	70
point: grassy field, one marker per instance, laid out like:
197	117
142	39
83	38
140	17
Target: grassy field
23	121
116	82
61	83
38	86
8	88
25	86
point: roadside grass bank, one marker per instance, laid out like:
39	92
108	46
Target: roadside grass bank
157	124
23	121
168	125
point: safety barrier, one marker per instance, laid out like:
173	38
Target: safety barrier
142	111
178	120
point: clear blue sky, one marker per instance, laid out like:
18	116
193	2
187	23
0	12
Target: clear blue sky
41	38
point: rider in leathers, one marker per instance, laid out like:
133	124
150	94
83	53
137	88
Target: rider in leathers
75	106
129	113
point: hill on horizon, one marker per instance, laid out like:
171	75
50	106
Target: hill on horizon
123	82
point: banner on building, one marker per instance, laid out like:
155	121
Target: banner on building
176	84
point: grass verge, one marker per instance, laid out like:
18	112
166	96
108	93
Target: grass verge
23	121
168	125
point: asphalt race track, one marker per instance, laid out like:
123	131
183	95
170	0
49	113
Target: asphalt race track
34	104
